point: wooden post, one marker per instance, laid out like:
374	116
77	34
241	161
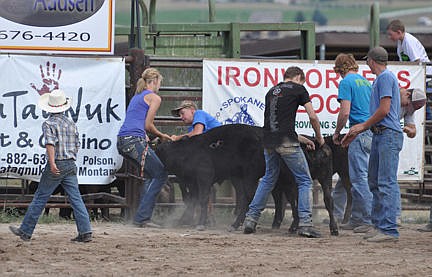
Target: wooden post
212	10
137	66
374	31
133	186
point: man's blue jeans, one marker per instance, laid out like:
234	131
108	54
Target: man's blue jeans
339	200
383	165
358	160
47	184
132	148
295	160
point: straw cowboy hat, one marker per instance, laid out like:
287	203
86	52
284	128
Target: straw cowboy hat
54	102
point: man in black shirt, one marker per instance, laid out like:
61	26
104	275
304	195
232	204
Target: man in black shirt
281	141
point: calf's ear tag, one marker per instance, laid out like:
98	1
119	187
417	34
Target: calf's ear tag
216	144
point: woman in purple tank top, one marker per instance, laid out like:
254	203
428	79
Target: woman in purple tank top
132	142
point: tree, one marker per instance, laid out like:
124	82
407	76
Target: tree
319	18
300	17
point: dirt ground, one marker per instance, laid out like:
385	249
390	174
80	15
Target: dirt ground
123	250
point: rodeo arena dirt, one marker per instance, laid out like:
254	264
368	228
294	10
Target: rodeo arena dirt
120	249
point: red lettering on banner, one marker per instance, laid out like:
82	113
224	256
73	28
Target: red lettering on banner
401	77
234	75
219	77
367	74
268	76
308	77
246	77
333	77
283	70
321	102
329	109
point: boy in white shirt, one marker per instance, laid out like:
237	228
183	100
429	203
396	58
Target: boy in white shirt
409	49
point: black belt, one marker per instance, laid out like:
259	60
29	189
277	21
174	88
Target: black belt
377	129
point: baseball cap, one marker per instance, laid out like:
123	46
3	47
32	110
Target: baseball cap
184	104
378	54
418	98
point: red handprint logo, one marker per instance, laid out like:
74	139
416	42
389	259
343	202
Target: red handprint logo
49	79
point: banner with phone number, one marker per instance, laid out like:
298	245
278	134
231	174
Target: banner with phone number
234	92
60	27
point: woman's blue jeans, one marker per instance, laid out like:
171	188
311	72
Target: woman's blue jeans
132	148
47	184
383	165
295	160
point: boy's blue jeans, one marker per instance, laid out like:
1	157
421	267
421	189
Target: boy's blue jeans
358	161
47	184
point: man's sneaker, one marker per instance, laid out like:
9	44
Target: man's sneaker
364	228
309	232
83	238
348	226
380	237
427	228
17	231
147	224
249	225
339	220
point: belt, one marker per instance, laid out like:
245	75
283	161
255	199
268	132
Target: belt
126	137
377	129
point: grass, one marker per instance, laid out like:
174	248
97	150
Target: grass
12	215
336	12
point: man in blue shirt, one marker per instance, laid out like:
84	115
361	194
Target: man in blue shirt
387	140
200	120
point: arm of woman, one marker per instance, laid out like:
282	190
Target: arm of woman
154	101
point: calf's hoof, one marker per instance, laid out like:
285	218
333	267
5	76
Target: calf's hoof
232	229
334	232
293	229
276	226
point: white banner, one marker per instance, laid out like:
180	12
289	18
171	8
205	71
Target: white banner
234	92
97	88
60	27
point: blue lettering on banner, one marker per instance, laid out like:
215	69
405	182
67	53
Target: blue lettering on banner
243	100
243	116
60	12
64	5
